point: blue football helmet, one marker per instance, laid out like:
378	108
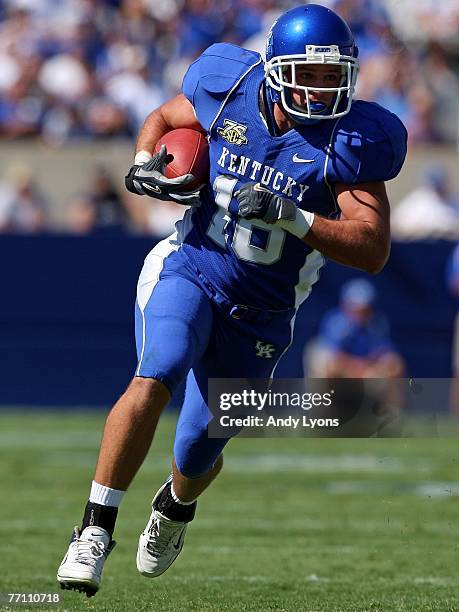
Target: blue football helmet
310	34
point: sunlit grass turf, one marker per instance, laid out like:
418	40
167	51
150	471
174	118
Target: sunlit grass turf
289	525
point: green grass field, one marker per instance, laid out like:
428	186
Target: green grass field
290	525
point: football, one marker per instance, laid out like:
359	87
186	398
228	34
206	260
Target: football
187	153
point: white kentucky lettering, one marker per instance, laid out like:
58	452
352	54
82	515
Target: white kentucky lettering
288	187
243	163
266	176
233	160
256	169
278	177
303	189
223	156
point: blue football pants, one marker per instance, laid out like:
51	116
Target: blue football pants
182	333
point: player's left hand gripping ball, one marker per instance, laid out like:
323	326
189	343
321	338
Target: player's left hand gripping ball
258	202
149	178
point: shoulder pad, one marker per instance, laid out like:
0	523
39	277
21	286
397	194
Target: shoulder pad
212	76
368	144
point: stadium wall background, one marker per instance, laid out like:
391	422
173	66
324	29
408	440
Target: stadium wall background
66	315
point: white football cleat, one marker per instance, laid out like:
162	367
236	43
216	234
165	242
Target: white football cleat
160	543
81	568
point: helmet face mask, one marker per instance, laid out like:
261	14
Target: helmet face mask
296	40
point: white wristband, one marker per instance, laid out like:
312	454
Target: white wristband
142	157
299	226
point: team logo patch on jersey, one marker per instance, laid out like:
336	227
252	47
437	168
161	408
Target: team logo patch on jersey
233	132
264	349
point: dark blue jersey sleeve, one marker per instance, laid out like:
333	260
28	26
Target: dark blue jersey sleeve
369	144
213	75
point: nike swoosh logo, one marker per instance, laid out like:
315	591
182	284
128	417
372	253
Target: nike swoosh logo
151	187
259	187
179	543
300	160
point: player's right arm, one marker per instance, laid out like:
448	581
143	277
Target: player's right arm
147	175
206	85
172	115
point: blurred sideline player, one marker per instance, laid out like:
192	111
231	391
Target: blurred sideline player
354	342
297	174
354	339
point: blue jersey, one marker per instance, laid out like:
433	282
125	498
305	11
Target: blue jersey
250	261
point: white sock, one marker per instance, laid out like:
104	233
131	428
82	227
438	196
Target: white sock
179	501
105	496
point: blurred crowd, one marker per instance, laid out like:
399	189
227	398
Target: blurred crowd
95	68
102	207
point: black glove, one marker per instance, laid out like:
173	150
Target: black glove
258	202
149	179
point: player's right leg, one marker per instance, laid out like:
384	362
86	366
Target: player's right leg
173	323
127	436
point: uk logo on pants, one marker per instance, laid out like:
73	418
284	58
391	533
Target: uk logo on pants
264	349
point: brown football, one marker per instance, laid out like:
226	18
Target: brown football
187	153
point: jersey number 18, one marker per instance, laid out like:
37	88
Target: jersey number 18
242	237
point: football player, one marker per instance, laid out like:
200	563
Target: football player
297	171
